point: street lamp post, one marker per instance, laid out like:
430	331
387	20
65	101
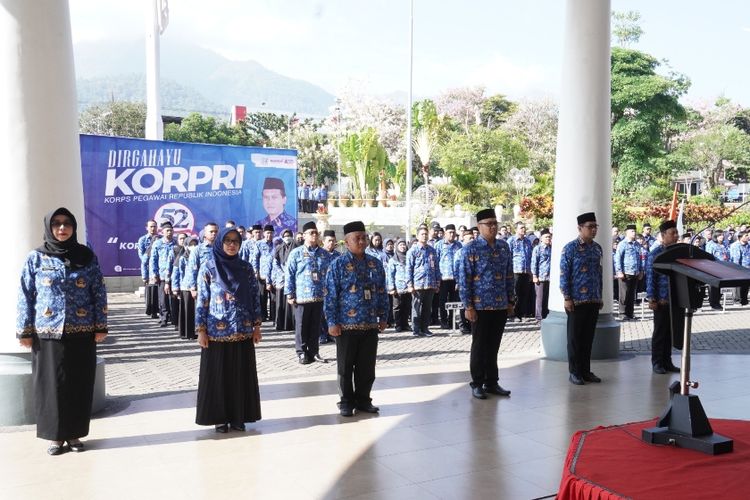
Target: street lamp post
408	122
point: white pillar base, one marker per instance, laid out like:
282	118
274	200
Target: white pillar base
555	337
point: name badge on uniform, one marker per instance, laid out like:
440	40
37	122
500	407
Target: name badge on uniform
368	295
315	275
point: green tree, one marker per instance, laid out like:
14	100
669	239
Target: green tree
644	107
719	151
363	159
495	110
118	118
478	162
625	27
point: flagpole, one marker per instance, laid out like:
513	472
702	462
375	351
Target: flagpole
409	180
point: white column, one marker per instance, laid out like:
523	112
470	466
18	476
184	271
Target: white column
583	169
154	124
39	147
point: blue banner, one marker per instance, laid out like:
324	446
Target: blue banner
127	182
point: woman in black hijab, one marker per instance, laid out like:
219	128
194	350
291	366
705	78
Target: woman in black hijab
62	314
284	311
227	321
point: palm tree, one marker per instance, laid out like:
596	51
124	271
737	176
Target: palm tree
424	145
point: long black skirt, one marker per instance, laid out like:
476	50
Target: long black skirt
63	371
152	301
284	313
186	316
228	384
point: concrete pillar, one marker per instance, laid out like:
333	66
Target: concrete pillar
39	158
583	169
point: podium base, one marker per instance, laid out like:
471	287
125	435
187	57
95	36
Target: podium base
712	444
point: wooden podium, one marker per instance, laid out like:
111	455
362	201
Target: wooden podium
684	423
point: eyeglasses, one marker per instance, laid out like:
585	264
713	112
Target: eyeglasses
590	226
231	242
488	224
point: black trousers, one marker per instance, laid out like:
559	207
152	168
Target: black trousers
743	295
307	328
542	300
187	315
435	309
165	306
661	340
486	335
714	296
264	296
628	289
152	301
356	351
523	293
581	330
421	309
174	311
448	293
401	310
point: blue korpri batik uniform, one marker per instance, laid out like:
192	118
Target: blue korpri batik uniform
422	270
396	276
541	261
485	276
740	254
54	300
521	249
218	314
657	284
581	272
305	275
356	298
144	242
162	256
446	252
198	255
628	258
263	259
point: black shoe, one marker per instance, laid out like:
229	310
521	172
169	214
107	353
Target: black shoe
660	369
418	334
368	408
76	446
223	428
163	325
465	332
591	378
428	333
238	427
672	369
323	341
303	360
320	358
56	449
346	411
398	329
478	392
575	379
445	326
408	329
496	389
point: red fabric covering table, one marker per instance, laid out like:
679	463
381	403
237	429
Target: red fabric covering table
613	463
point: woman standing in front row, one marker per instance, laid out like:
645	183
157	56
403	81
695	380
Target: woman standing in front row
62	314
227	321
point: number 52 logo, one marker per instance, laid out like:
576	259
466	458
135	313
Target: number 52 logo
178	214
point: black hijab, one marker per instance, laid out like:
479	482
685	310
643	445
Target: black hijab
72	253
232	274
389	253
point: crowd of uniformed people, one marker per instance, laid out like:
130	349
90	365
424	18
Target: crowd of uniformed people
219	289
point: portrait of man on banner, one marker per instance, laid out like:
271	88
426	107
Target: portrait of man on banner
274	203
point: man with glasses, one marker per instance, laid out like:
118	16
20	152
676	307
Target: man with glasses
446	250
145	243
304	286
581	287
485	285
162	257
629	270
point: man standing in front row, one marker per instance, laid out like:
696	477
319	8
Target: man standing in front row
422	281
581	287
657	295
356	307
485	285
304	282
162	257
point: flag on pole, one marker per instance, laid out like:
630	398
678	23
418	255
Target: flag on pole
673	207
680	227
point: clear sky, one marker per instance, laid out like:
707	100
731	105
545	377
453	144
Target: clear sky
512	47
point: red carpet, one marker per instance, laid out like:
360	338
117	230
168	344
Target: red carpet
613	462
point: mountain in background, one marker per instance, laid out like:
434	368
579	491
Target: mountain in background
192	79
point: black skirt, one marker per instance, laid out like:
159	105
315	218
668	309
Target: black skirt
186	317
284	313
228	384
152	301
64	371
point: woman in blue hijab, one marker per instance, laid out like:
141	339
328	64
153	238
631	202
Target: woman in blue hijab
227	321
